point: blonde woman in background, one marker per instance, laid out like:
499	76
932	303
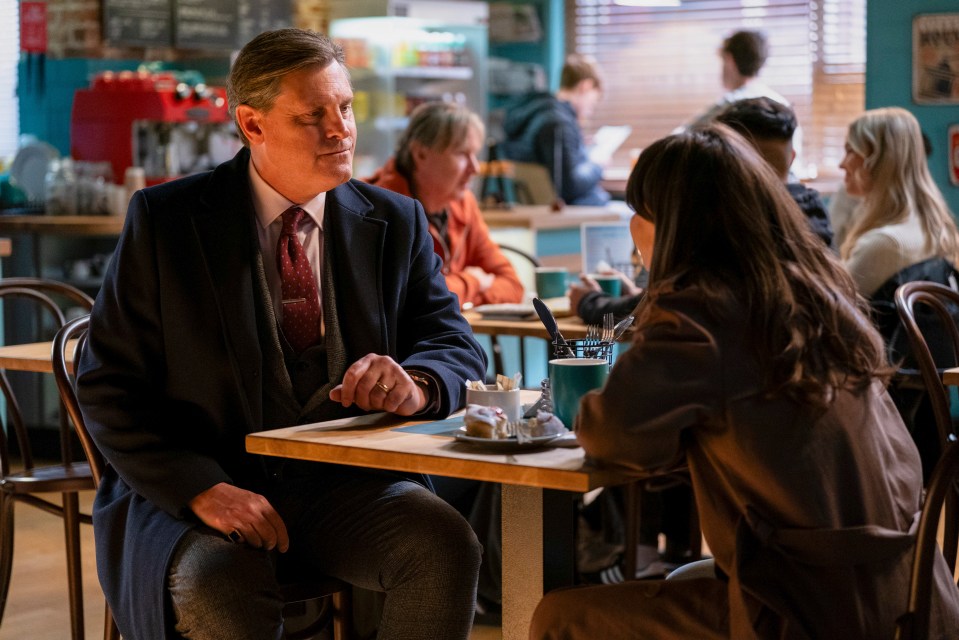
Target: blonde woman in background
903	219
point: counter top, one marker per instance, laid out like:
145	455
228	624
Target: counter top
543	217
62	225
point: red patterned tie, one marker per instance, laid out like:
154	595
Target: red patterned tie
301	303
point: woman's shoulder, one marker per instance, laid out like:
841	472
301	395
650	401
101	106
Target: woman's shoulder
710	311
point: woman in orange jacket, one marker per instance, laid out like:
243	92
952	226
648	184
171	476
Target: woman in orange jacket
435	163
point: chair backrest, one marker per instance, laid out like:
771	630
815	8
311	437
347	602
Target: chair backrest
928	312
885	310
45	296
70	340
533	184
943	490
524	264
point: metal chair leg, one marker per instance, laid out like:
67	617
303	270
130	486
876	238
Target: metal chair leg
71	530
110	631
6	547
342	615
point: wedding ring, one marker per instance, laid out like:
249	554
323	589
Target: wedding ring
383	387
235	536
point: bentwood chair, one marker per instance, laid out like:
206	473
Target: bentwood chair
29	484
928	311
944	485
334	595
525	265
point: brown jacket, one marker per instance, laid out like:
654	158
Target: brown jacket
810	512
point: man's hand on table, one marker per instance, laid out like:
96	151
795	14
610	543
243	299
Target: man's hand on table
232	510
378	383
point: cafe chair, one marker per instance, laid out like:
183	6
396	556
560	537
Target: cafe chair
928	312
944	485
29	484
533	184
525	265
333	595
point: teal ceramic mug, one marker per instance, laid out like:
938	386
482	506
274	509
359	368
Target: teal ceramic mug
570	379
551	282
610	284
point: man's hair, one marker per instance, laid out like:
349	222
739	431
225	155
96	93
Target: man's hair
438	126
760	118
749	51
578	68
262	64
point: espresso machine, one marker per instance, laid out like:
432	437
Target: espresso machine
167	123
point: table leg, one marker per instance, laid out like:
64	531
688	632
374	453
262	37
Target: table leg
522	558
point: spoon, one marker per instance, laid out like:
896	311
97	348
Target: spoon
549	321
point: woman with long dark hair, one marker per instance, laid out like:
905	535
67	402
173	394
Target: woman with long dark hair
755	363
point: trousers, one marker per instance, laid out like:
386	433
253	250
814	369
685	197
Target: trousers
376	530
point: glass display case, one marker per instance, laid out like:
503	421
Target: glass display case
430	51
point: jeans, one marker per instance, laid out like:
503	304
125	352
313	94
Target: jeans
376	530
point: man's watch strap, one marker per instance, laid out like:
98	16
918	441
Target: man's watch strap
430	387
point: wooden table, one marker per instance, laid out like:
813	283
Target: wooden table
572	327
951	376
373	442
33	356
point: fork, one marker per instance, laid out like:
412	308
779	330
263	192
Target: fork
520	430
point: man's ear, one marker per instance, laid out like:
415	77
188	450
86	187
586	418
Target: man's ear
248	120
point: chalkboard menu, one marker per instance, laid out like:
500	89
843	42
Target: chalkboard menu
257	16
192	24
205	24
139	23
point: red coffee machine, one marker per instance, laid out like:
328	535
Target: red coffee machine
156	121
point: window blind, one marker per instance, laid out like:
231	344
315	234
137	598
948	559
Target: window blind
662	67
9	54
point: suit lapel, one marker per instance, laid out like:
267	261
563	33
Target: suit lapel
354	242
225	231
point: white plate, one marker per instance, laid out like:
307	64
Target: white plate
503	443
29	169
508	310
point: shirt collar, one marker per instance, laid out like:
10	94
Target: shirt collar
269	204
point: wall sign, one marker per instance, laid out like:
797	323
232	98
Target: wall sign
935	58
33	27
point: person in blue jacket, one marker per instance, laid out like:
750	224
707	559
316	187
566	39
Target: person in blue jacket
544	129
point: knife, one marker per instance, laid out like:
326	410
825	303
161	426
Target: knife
549	321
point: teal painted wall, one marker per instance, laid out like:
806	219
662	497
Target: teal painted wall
889	77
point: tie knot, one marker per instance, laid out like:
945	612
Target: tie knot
291	220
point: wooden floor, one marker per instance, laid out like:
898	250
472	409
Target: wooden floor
37	606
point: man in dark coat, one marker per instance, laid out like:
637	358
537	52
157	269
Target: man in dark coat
544	129
190	349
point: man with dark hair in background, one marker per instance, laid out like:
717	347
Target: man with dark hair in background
769	126
545	129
